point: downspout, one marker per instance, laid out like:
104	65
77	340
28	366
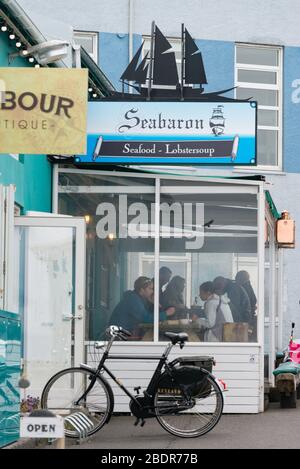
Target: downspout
130	35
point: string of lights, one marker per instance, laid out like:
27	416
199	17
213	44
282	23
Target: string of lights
15	37
22	45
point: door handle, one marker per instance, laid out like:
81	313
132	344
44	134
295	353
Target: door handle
70	317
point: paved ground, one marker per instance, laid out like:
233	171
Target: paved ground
275	428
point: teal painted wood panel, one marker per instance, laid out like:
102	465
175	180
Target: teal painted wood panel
10	358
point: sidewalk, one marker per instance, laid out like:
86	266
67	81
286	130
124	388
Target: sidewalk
276	428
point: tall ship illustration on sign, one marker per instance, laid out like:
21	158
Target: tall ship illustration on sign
150	75
217	121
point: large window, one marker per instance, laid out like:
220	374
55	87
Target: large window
163	255
259	76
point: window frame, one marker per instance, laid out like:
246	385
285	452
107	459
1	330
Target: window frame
95	42
278	69
216	186
173	41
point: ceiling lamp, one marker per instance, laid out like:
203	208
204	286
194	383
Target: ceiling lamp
49	51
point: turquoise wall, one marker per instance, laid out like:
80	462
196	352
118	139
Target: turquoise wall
32	175
10	357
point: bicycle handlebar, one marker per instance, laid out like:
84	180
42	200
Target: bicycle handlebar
117	331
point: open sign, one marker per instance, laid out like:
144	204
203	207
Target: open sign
42	427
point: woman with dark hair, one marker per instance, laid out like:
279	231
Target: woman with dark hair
173	296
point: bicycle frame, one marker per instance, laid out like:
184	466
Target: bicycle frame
162	360
174	388
144	403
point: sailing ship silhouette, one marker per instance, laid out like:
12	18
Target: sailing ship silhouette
217	120
157	69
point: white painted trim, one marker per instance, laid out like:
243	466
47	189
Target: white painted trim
51	221
207	190
55	188
156	259
224	181
280	299
106	190
261	276
272	303
263	68
260	170
9	249
257	86
151	190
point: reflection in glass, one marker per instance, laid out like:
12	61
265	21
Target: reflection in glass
218	240
120	233
257	55
205	232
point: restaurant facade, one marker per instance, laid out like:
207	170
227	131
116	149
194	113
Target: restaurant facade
110	224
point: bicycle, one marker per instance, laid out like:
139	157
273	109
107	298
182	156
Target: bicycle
185	398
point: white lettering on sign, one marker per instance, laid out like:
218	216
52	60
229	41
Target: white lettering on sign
41	427
296	93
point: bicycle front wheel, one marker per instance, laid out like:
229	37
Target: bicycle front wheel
84	400
193	416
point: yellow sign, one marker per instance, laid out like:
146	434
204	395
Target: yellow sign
43	110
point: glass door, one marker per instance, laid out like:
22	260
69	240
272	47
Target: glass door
49	293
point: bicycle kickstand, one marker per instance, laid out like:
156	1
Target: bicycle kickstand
138	420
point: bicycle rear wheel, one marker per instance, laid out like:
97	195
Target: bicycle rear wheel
84	413
189	417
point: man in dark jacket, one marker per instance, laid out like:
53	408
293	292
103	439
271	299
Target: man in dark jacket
239	299
134	308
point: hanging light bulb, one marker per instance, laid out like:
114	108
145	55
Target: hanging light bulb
37	65
94	95
18	44
90	90
24	52
4	28
12	36
31	59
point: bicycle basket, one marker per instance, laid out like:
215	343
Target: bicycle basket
94	352
187	379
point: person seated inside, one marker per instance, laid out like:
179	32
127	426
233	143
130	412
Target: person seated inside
239	299
134	308
165	275
242	278
173	297
217	312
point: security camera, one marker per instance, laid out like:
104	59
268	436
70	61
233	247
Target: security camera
49	51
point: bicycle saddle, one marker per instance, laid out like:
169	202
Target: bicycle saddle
175	338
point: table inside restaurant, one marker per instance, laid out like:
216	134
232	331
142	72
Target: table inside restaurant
177	325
